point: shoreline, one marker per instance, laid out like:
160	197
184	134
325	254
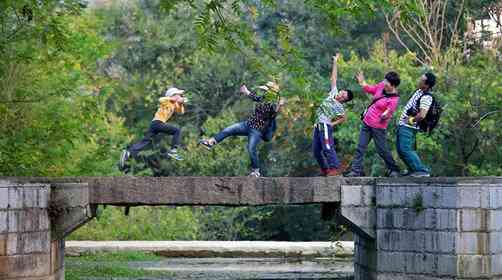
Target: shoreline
224	249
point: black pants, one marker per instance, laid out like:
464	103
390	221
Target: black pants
380	137
156	127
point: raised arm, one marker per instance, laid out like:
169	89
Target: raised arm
371	89
334	71
250	94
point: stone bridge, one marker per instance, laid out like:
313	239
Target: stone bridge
404	228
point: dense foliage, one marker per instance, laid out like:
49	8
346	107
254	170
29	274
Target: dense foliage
79	84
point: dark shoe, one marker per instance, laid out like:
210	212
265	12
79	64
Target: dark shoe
173	153
124	157
419	174
353	174
394	174
206	144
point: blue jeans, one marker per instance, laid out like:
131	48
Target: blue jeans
156	127
323	145
406	139
243	129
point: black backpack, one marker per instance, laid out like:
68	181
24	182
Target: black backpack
433	115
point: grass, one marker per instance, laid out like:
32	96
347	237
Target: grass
110	265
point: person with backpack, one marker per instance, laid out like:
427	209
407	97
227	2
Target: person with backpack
259	126
375	120
329	115
172	102
419	114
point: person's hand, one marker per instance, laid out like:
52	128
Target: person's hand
411	120
360	77
384	116
245	90
336	57
282	101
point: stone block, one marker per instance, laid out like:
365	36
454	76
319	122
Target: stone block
473	220
3	245
12	244
29	219
472	243
412	194
448	198
4	198
43	220
14	222
438	242
368	196
24	266
384	196
57	255
35	242
495	220
361	218
447	219
496	264
495	197
495	242
473	266
431	218
390	262
416	263
15	198
446	265
43	197
469	197
399	196
413	219
352	195
30	197
431	197
3	222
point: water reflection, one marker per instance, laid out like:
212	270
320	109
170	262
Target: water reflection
249	268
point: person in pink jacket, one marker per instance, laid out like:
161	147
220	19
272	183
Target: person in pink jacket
375	120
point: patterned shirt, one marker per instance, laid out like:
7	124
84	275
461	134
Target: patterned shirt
425	104
330	108
263	113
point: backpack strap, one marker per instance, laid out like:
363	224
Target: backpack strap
381	97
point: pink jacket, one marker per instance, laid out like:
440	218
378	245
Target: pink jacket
372	117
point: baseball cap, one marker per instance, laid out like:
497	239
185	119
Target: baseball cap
172	91
270	86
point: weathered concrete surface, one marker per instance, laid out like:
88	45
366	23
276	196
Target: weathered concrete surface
69	208
26	249
208	249
434	229
226	191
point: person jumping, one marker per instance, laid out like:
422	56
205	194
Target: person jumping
172	102
257	127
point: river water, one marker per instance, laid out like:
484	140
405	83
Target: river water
249	268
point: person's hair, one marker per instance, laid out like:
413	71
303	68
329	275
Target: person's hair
393	78
430	79
350	95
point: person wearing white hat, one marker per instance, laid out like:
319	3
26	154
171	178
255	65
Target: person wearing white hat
172	102
259	126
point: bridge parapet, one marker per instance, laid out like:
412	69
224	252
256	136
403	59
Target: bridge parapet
437	228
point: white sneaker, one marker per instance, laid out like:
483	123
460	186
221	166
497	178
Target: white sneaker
173	153
124	157
255	173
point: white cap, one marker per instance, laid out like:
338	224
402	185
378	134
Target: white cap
173	91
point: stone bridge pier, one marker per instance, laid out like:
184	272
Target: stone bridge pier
404	228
